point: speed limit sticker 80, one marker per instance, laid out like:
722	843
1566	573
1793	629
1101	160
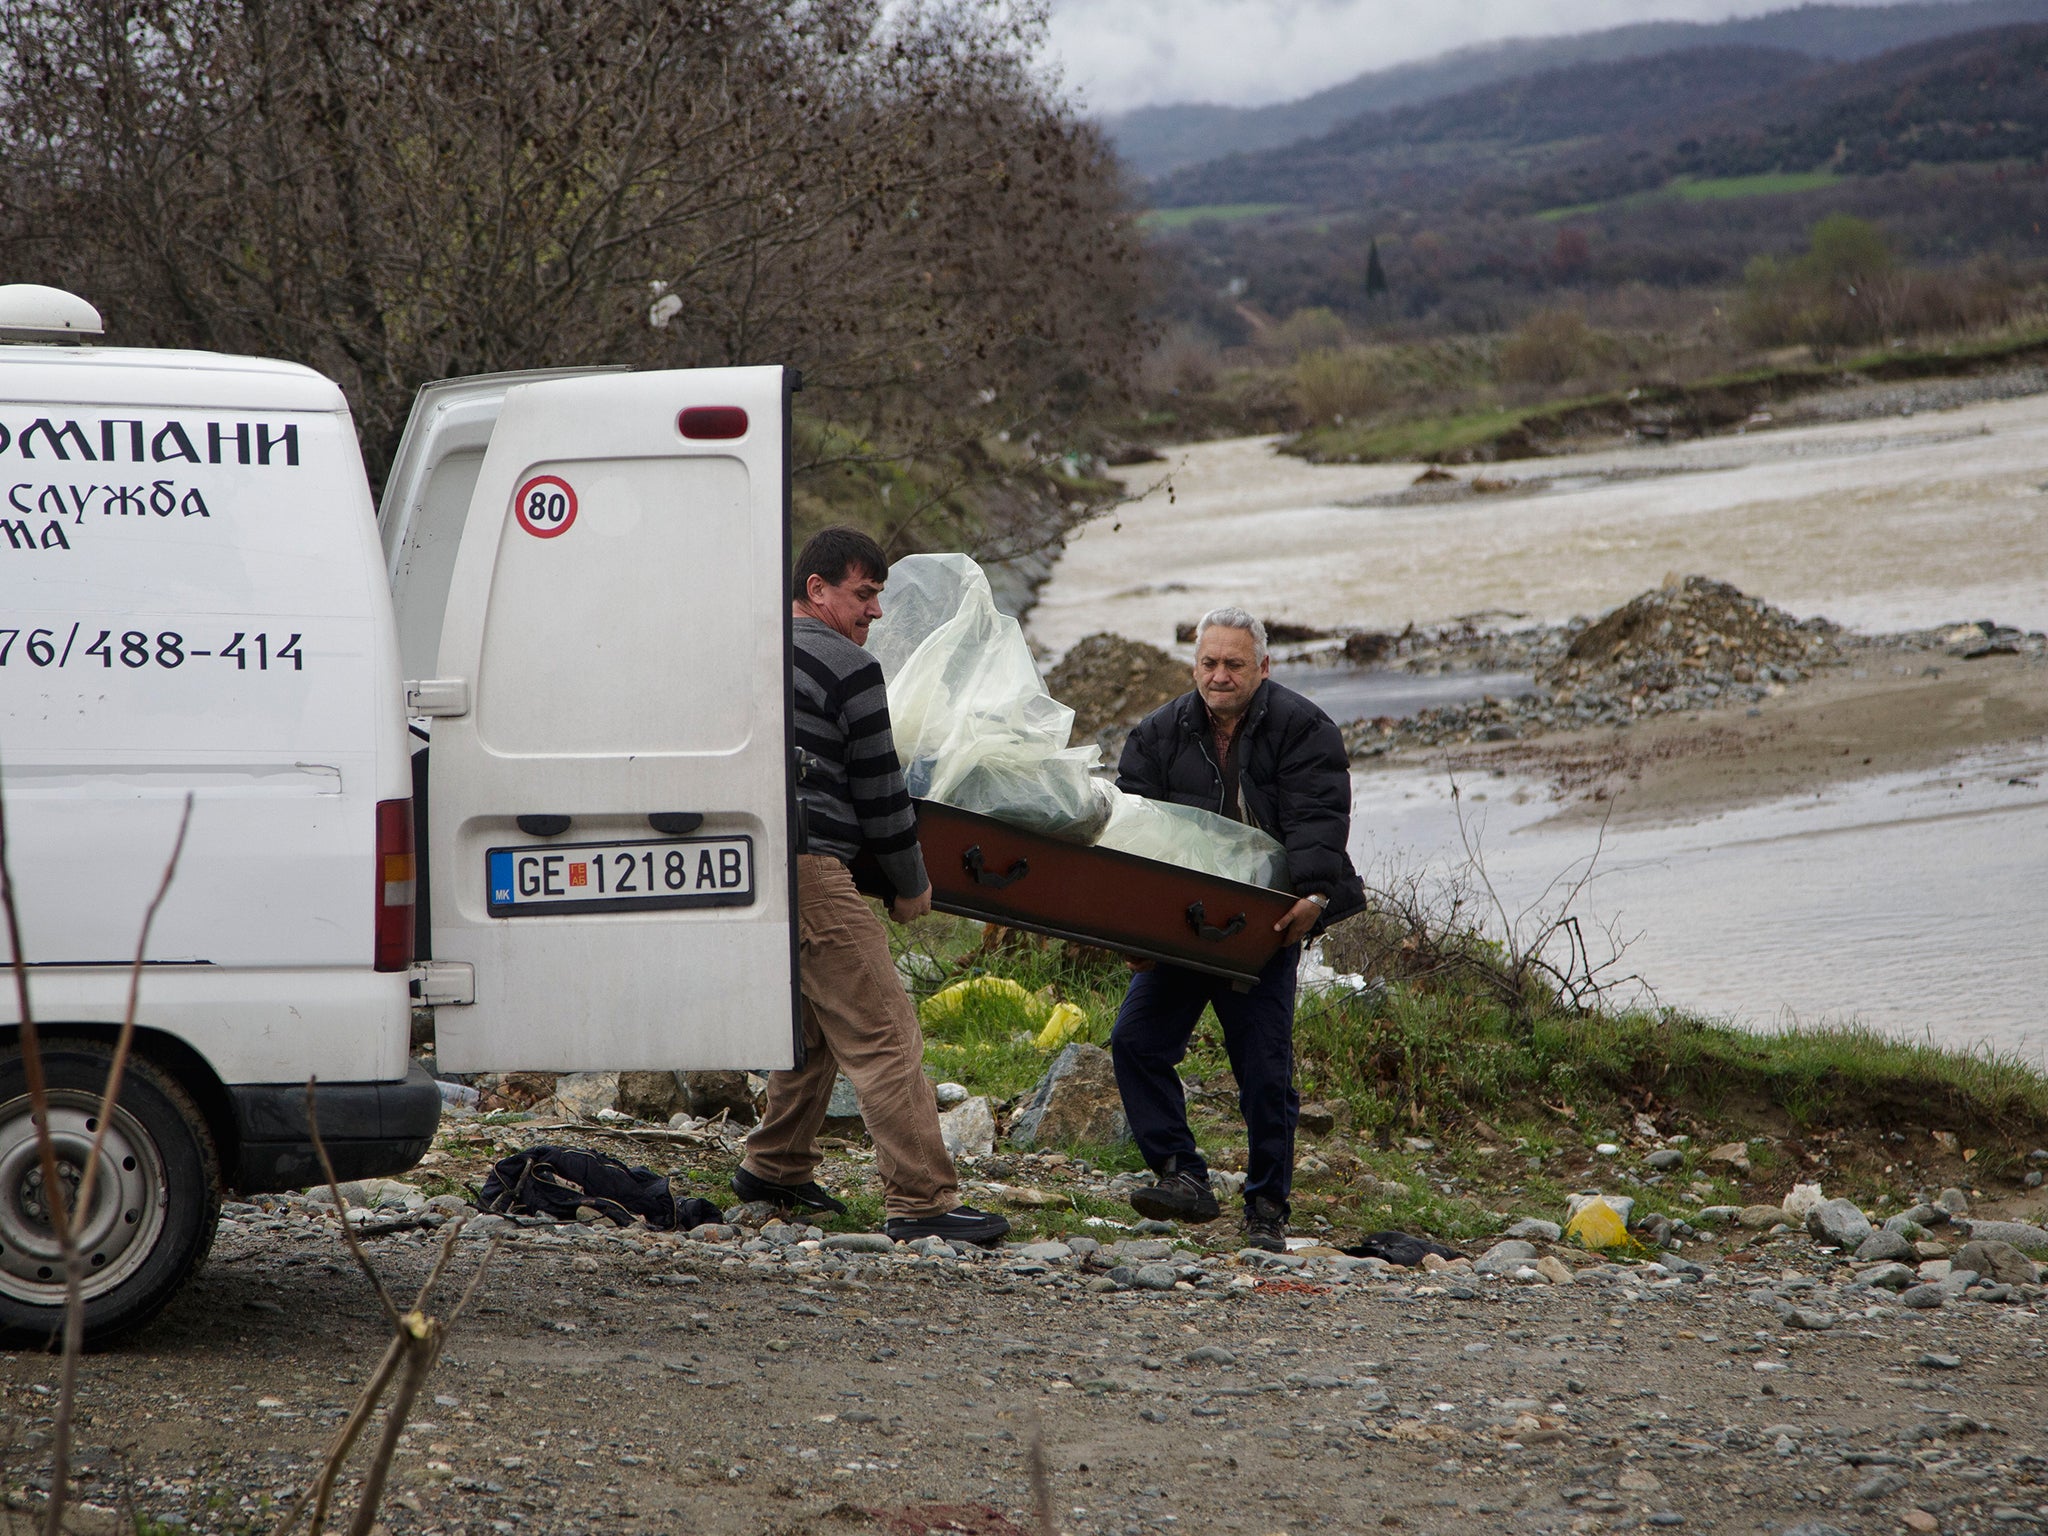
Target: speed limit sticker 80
545	506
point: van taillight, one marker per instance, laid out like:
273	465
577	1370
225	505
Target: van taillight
395	889
718	422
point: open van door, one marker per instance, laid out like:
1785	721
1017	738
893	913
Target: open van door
611	824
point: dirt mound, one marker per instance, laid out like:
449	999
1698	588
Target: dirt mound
1109	681
1685	631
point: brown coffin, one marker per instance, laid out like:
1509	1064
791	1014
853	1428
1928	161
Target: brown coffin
986	869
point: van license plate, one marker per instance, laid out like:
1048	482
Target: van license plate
536	881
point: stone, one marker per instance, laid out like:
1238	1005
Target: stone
1046	1250
845	1102
1934	1362
1555	1270
1076	1101
949	1094
1155	1277
1838	1222
1878	1485
2022	1235
709	1094
1732	1155
1504	1258
1883	1245
969	1128
1814	1528
1666	1160
1210	1354
1322	1118
1920	1522
1802	1199
1760	1218
1718	1215
583	1094
859	1242
1905	1226
2004	1263
649	1095
1926	1215
1887	1277
1535	1227
1923	1297
1810	1319
1954	1201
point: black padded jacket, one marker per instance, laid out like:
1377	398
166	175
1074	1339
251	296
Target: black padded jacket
1294	779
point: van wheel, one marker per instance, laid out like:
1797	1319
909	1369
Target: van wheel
156	1199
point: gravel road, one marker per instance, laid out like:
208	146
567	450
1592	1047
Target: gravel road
614	1381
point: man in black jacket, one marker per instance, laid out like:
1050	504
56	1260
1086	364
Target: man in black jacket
1250	749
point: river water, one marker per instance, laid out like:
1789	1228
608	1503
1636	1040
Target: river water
1911	903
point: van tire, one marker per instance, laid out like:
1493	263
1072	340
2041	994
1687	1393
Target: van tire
159	1159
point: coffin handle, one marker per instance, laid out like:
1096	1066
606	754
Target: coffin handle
1198	920
995	882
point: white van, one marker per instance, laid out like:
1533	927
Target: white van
194	602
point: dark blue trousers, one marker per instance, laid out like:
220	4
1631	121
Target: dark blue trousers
1153	1027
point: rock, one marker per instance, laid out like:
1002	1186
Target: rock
583	1094
1325	1117
1934	1362
713	1232
859	1242
845	1102
1535	1227
1108	680
1954	1201
1884	1245
1920	1522
1905	1226
1887	1277
1926	1215
1046	1250
1810	1319
1878	1485
1076	1101
707	1094
1732	1155
1665	1160
1504	1258
1155	1277
1924	1297
1838	1222
1814	1528
969	1128
1210	1354
649	1095
2022	1235
1802	1199
1555	1270
1760	1218
950	1094
2001	1261
1718	1215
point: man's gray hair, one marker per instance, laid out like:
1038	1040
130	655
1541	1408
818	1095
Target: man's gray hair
1234	618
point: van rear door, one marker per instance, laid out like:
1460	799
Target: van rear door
610	818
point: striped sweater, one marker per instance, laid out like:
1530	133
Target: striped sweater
852	787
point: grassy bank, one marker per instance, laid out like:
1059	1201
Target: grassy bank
1451	1111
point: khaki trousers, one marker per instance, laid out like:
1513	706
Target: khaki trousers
857	1020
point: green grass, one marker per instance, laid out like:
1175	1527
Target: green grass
1426	438
1181	218
1709	190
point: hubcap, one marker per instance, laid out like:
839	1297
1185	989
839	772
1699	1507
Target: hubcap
129	1201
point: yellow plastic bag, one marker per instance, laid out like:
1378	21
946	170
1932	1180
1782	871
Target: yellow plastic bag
1597	1225
1061	1025
950	1002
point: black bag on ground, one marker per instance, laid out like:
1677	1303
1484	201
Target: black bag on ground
554	1181
1400	1248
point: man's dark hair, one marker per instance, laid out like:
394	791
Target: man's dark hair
833	553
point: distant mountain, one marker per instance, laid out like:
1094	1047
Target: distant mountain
1594	132
1155	140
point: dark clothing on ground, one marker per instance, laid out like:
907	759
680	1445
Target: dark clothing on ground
1153	1027
851	784
1293	782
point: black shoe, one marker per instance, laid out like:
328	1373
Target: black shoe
1265	1225
962	1224
791	1197
1180	1195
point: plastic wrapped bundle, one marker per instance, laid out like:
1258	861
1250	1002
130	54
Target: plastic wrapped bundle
976	729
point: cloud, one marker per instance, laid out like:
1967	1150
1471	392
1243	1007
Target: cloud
1119	54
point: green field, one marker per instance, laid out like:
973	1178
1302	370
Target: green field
1181	218
1715	189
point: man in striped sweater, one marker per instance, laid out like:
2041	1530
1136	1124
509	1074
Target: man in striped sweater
857	1019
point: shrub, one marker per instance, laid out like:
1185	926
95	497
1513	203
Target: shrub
1551	346
1316	329
1335	386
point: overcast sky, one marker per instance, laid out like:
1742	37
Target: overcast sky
1117	54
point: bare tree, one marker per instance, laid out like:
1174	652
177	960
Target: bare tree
890	196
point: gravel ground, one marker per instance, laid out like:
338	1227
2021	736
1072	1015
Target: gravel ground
633	1381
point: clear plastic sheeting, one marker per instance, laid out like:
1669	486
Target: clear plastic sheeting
976	729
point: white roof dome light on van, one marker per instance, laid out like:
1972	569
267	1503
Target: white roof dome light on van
33	312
